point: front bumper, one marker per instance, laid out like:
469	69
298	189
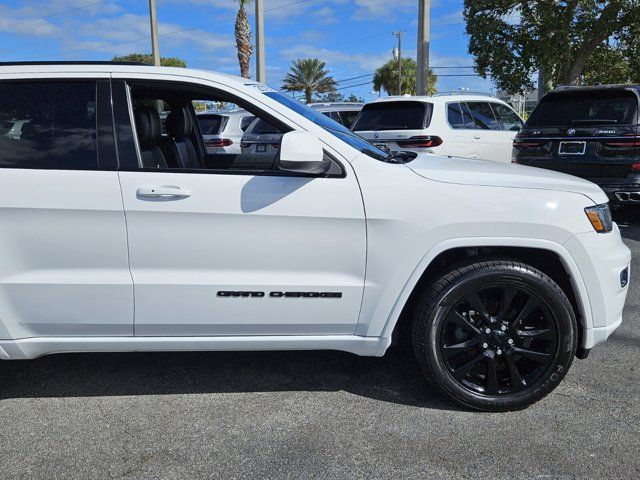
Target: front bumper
601	258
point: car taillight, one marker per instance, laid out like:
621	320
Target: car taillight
632	142
420	141
635	167
223	142
525	144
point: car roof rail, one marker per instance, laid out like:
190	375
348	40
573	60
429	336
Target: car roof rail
73	62
458	92
596	85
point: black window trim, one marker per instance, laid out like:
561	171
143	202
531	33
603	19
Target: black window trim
210	171
100	148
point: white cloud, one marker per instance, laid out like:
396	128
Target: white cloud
382	9
354	61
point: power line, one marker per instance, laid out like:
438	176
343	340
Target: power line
64	12
353	86
372	74
175	32
355	78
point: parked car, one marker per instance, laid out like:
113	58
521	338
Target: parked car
261	138
499	274
590	132
344	113
469	126
222	131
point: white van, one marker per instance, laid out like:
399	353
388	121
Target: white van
469	126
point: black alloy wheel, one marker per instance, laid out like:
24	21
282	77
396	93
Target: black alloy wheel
496	335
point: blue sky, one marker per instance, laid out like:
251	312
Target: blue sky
352	36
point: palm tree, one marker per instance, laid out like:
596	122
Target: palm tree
309	76
386	78
243	39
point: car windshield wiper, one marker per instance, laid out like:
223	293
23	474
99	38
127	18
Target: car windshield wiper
593	121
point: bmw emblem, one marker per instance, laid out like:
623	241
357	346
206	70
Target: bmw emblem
376	135
571	131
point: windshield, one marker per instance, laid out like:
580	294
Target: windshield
585	107
329	125
403	115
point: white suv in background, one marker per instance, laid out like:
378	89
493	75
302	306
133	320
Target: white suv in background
222	131
469	126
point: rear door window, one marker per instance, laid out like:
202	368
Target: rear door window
586	108
455	116
508	118
52	125
212	124
483	116
394	116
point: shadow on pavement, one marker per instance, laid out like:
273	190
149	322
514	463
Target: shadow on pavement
396	378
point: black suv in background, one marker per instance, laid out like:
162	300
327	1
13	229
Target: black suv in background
590	132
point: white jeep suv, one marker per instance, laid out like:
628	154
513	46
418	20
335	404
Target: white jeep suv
468	126
116	236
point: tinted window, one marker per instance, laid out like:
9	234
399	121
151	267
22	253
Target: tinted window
246	121
58	125
603	107
394	116
508	118
483	116
212	124
454	116
348	117
261	127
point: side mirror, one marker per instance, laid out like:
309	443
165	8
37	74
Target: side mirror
302	152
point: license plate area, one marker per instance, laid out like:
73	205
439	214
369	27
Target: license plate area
572	148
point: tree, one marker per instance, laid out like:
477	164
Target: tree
386	77
512	39
309	76
148	58
242	32
339	97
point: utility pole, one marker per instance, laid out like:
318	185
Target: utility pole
398	35
542	82
261	75
155	50
424	8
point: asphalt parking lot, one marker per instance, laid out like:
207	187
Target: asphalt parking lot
311	415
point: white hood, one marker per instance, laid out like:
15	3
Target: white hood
466	171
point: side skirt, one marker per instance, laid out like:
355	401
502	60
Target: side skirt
30	348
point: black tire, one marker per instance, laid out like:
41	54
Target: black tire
522	340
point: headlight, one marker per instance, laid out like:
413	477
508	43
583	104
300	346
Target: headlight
600	217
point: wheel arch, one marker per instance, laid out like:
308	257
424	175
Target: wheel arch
545	255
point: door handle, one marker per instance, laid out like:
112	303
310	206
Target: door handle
476	136
167	191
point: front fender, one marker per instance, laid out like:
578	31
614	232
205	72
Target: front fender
384	317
